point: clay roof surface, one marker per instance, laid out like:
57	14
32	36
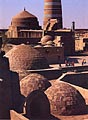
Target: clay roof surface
25	57
33	82
46	38
65	99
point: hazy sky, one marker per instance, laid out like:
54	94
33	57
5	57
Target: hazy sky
73	10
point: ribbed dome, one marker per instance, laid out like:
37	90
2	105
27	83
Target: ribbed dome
65	99
33	82
24	57
23	14
25	19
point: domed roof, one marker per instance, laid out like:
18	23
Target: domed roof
25	57
33	82
48	45
65	99
23	14
26	20
38	46
46	38
49	42
37	106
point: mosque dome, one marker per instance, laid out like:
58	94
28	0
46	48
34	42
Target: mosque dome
65	99
25	19
46	38
33	82
25	57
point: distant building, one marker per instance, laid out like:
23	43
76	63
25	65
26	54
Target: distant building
64	37
24	25
81	39
25	29
3	31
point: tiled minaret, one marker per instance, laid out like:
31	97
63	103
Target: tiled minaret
53	10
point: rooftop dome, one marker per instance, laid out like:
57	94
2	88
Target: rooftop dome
50	42
65	99
33	82
37	106
48	45
25	57
46	38
38	46
25	19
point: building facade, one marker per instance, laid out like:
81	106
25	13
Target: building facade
81	39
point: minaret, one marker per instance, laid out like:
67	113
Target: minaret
53	10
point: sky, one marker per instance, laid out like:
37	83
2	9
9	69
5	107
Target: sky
73	10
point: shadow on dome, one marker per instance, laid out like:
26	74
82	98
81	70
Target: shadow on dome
33	81
38	106
65	100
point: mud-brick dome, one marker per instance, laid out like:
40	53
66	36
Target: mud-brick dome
33	82
46	38
49	44
25	57
25	19
65	99
37	106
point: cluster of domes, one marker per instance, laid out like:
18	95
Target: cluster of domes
65	99
59	99
33	82
48	41
25	19
25	57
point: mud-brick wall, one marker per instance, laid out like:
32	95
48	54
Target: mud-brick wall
16	116
52	54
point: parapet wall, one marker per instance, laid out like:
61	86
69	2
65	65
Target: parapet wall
79	79
18	41
52	54
16	116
